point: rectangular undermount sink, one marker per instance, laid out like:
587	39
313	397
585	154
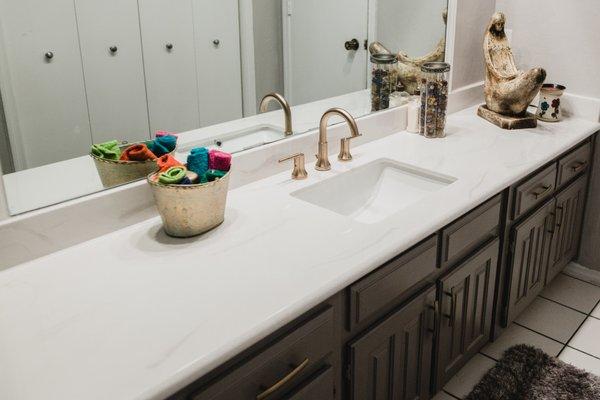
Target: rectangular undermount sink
375	191
245	139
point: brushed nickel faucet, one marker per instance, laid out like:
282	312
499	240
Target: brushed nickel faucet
264	104
322	157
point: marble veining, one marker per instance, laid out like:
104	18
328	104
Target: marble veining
137	315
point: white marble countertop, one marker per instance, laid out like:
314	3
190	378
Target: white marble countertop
137	315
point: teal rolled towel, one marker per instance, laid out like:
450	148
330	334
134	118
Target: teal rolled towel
197	161
163	145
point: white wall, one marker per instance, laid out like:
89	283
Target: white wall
415	30
560	36
472	17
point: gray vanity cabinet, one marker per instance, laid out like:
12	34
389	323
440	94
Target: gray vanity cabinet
392	360
567	226
529	251
466	302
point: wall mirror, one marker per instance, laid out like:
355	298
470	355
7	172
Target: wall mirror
79	72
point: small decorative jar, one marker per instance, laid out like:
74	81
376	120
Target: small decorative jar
384	78
434	99
549	108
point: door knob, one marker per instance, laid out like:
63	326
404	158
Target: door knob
216	42
113	49
352	45
49	55
169	46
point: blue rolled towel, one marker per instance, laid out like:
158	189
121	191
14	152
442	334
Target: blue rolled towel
197	161
163	145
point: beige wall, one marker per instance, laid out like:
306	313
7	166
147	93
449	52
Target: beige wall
3	208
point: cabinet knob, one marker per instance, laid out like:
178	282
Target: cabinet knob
169	46
216	42
49	55
113	49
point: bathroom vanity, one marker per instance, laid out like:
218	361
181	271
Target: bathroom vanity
308	291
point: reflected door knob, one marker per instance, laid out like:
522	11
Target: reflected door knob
169	46
113	49
216	42
352	45
49	55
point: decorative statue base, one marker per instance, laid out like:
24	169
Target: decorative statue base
508	91
506	121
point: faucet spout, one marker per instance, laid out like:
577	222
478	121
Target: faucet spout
287	111
322	156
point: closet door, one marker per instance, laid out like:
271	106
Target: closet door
170	63
114	77
44	98
218	59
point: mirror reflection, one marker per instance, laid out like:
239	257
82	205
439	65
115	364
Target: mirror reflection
78	73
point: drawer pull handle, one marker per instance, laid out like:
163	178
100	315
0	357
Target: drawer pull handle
579	166
545	191
282	381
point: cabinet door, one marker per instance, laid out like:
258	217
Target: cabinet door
529	247
318	387
217	30
114	80
466	302
170	63
44	98
567	227
393	359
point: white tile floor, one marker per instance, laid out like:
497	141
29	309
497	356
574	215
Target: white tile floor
563	321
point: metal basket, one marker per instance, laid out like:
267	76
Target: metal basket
189	210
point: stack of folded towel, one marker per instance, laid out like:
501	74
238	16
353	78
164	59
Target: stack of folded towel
164	144
202	166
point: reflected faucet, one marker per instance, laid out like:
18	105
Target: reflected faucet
322	157
264	103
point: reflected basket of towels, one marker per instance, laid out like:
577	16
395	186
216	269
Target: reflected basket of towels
191	198
119	163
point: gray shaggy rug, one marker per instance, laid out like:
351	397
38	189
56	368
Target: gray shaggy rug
527	373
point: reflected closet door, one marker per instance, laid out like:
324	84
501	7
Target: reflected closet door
217	30
170	63
42	82
114	74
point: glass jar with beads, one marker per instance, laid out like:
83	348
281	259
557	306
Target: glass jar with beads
434	99
384	78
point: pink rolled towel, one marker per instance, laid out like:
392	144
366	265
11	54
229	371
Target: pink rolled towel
219	160
164	133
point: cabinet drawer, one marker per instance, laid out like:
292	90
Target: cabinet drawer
381	290
318	387
534	190
468	232
278	369
574	163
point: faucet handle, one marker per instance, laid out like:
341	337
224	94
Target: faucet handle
345	148
299	171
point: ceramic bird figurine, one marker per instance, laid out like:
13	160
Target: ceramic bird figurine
508	91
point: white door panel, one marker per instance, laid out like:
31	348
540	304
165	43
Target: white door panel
218	65
317	65
171	79
115	84
44	98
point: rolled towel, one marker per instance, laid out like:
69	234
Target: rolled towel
137	152
163	133
172	176
167	161
214	174
219	160
163	145
108	150
197	161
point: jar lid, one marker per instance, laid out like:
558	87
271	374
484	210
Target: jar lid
435	67
381	58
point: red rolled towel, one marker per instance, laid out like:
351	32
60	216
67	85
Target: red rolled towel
167	161
137	152
219	160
